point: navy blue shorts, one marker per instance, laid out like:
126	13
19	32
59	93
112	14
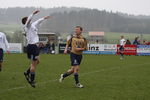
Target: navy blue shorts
32	51
75	59
121	48
1	55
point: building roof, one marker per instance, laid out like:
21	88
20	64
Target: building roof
43	33
96	33
46	33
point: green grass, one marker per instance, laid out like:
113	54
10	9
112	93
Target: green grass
105	77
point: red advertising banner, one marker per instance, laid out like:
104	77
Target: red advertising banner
128	49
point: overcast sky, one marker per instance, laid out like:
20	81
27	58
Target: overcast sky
126	6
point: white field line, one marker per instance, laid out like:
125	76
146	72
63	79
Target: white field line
82	74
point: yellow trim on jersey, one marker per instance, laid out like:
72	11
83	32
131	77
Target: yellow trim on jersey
77	42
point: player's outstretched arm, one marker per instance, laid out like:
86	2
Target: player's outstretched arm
30	17
39	21
46	17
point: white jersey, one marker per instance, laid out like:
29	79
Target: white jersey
122	42
31	30
3	42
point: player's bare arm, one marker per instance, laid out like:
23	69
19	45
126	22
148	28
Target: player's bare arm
66	49
47	17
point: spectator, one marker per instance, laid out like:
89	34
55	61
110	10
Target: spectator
136	41
41	47
96	42
52	48
128	42
144	42
48	46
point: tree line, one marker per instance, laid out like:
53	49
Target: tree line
64	19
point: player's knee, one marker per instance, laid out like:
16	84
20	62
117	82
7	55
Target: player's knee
35	62
76	70
32	69
33	65
70	70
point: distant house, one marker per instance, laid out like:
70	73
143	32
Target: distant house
44	38
96	36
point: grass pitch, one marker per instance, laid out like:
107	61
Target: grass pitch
105	77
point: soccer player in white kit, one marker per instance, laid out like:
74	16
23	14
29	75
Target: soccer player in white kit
121	49
31	30
4	46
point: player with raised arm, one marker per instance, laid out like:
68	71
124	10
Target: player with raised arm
31	30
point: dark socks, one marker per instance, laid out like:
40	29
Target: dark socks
28	71
32	76
76	78
66	74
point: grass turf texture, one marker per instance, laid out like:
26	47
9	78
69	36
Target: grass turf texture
105	77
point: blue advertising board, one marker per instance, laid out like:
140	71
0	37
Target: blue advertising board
143	49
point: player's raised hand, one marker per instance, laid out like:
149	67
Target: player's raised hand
46	17
35	12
